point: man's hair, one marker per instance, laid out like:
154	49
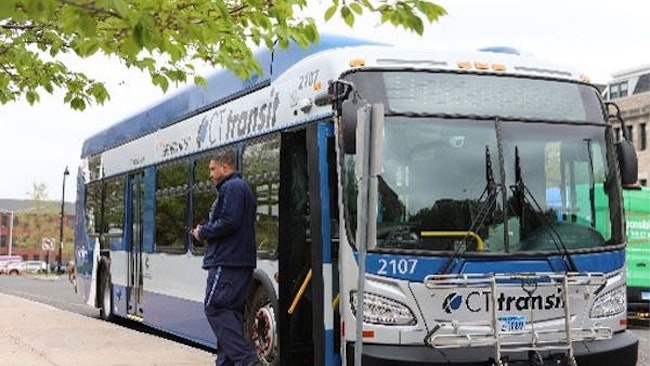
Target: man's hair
226	156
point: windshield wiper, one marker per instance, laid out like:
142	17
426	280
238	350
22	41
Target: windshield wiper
521	193
488	198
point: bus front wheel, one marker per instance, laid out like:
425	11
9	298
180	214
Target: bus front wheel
261	326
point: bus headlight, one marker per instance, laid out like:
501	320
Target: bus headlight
609	304
381	310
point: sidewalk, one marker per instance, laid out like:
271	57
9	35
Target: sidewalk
34	334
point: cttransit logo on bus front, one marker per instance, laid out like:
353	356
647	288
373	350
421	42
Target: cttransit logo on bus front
228	123
479	301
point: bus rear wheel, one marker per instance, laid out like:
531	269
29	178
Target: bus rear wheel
261	326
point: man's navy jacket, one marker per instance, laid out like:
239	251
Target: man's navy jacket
230	232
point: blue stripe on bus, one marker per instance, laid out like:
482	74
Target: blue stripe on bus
331	358
416	268
324	131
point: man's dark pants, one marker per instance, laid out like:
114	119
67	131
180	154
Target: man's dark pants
225	295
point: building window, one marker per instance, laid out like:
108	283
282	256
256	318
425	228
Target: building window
622	90
643	137
643	84
630	132
644	182
618	90
3	241
613	91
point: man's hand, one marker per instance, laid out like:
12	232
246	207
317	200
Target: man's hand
195	232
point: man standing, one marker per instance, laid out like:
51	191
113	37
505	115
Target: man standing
229	259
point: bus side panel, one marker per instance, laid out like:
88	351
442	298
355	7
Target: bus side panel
119	265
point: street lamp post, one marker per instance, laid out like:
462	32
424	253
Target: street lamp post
65	174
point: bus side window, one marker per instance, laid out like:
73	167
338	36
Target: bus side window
171	206
93	209
113	215
203	194
261	169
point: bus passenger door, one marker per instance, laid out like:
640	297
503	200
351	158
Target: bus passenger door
134	245
308	325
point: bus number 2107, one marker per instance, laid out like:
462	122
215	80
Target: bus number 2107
397	266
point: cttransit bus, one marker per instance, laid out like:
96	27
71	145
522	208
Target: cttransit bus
405	186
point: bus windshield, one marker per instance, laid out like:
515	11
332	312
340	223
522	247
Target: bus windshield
487	185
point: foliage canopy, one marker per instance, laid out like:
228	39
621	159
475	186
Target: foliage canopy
166	38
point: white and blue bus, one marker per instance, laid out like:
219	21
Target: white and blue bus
410	183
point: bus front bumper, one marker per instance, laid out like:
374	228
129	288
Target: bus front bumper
620	350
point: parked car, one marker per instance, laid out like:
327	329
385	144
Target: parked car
35	266
5	260
16	268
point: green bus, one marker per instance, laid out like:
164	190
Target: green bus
637	216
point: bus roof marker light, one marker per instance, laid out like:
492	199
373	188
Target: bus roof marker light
464	65
499	67
481	65
357	62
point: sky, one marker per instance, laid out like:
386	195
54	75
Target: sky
598	37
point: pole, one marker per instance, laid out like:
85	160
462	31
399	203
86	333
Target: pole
11	231
65	173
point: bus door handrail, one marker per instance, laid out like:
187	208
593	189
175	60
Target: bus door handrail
301	291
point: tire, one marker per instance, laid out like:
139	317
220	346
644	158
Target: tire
106	298
261	327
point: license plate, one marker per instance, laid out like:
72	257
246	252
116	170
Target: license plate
512	323
645	295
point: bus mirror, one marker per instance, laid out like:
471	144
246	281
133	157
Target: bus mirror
369	150
370	120
349	121
627	162
377	139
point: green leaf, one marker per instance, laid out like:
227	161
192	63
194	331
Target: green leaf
330	12
347	16
138	34
121	8
200	81
161	81
78	104
31	97
356	8
7	8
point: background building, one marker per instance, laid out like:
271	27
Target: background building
24	224
630	90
